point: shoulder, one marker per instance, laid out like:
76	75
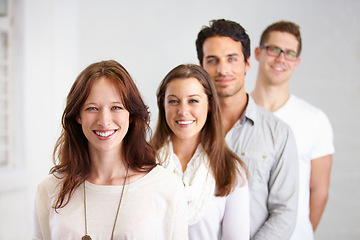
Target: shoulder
303	105
311	112
165	176
48	185
263	119
275	132
163	154
49	181
165	183
268	120
161	178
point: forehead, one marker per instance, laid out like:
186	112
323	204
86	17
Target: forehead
103	88
284	40
219	46
184	86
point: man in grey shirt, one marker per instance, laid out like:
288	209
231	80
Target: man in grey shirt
262	141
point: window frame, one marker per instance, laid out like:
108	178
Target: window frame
6	136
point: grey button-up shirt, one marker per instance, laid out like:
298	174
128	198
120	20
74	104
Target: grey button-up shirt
267	146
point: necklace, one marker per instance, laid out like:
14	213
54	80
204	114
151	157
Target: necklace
86	236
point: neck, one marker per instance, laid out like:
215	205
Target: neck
270	97
107	168
184	150
232	109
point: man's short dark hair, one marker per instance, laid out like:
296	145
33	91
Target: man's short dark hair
223	28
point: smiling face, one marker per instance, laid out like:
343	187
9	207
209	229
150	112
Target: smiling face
186	108
225	63
276	70
103	118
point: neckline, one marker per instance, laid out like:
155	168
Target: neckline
194	162
98	187
88	237
287	103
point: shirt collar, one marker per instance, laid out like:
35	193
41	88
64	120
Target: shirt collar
250	111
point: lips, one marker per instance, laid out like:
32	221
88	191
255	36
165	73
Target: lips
104	134
185	122
222	80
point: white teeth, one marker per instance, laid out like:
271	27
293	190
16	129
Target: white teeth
184	122
104	134
279	69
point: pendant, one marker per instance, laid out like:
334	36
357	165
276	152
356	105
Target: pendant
86	237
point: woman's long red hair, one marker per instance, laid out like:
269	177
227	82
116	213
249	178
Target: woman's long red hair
71	155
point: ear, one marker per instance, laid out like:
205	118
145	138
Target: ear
247	65
257	53
78	119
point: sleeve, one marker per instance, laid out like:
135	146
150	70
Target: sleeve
41	212
180	226
236	220
324	137
283	192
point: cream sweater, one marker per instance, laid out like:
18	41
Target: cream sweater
153	207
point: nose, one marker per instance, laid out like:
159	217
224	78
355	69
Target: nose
223	68
183	109
104	118
280	56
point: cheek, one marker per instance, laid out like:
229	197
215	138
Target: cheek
239	68
202	112
85	128
264	64
125	119
293	66
168	113
85	119
210	69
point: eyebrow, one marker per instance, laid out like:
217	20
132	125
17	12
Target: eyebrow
233	55
92	103
192	95
228	55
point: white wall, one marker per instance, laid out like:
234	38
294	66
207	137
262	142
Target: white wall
56	39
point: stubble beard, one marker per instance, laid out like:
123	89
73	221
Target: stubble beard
229	90
226	94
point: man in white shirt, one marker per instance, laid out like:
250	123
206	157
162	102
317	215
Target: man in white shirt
265	143
279	56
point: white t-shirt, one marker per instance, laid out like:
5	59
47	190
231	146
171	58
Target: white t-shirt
153	207
210	217
314	139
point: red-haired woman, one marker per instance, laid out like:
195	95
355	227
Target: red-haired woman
105	183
